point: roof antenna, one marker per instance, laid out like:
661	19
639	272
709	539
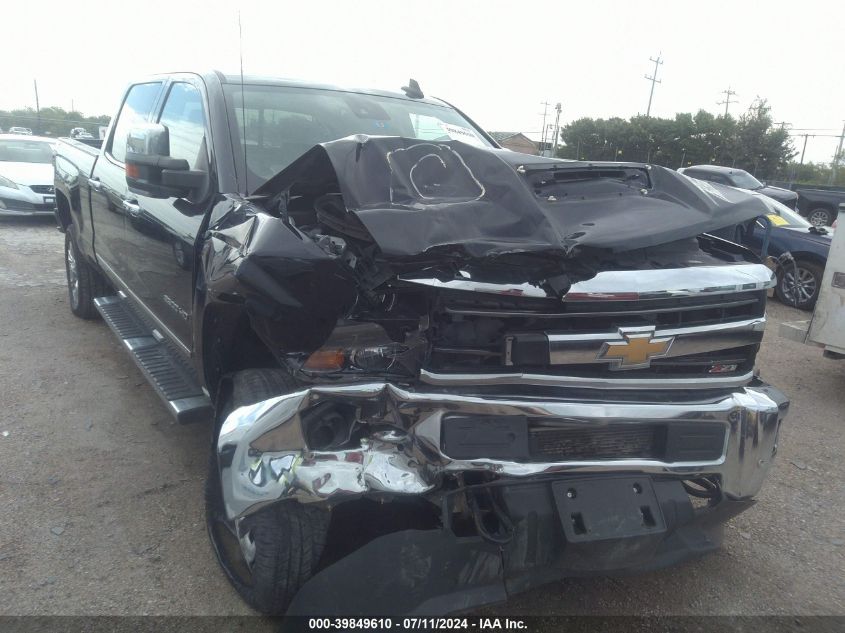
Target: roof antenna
412	90
243	106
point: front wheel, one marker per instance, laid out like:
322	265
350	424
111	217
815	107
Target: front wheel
277	549
803	293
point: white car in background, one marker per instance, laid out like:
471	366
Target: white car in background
20	130
26	175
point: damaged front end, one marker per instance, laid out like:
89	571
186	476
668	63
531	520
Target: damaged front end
548	487
506	373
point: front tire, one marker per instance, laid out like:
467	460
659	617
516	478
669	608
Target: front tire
284	542
84	284
809	284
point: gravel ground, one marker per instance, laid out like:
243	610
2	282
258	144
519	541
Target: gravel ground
102	494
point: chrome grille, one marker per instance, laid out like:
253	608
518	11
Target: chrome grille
499	334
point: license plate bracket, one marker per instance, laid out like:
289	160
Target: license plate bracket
603	508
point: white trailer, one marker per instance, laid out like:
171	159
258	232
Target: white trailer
826	328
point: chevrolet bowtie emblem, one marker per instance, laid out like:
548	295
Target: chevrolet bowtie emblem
636	349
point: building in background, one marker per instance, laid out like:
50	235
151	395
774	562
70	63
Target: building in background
515	141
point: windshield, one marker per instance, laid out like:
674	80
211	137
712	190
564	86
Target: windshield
24	151
744	180
282	123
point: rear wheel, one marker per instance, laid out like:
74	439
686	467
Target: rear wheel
278	548
84	283
820	217
804	293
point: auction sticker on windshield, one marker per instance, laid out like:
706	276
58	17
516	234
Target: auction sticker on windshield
777	220
459	133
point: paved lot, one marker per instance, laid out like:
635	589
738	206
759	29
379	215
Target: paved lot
101	494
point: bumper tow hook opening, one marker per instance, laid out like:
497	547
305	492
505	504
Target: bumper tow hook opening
703	489
491	521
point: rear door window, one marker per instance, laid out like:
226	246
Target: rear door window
136	109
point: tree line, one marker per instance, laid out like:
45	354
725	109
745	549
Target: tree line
52	121
752	142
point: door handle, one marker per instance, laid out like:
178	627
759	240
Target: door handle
95	183
132	207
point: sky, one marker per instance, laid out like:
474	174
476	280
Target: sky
495	60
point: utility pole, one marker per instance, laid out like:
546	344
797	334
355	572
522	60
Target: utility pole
836	157
558	108
804	149
728	101
654	80
37	109
800	164
545	105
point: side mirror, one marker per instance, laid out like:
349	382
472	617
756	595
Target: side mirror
150	171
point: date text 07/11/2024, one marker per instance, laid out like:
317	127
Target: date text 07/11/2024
409	624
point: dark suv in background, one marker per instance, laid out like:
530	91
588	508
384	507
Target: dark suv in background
742	179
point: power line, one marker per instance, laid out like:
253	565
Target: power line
814	135
654	80
728	101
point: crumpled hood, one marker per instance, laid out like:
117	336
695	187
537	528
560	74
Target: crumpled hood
420	198
27	173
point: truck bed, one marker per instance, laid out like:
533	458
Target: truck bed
89	146
74	164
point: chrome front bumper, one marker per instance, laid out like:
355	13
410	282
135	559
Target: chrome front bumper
264	459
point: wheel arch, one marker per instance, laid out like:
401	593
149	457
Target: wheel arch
821	204
810	257
229	343
63	209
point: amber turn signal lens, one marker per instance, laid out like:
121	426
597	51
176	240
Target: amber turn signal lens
326	360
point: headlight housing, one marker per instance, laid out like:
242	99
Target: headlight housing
357	349
374	359
5	182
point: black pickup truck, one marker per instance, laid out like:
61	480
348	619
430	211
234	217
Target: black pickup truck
819	206
437	372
